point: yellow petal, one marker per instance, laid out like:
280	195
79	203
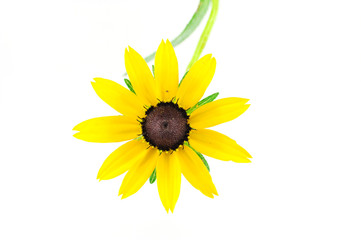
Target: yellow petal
196	172
166	72
217	145
217	112
168	180
140	76
139	173
108	129
196	82
118	97
122	159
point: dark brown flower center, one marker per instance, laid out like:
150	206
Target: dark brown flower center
165	126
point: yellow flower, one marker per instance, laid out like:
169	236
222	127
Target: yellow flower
162	133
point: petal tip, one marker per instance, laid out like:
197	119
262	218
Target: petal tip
76	135
99	176
97	79
123	196
213	62
168	43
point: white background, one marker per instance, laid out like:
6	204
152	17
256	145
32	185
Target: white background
298	62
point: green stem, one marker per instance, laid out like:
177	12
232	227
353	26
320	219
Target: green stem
191	26
204	37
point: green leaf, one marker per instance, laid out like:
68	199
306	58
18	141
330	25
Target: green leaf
200	155
203	102
129	85
190	27
153	177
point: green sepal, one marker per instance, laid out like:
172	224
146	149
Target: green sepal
129	85
203	102
153	177
200	155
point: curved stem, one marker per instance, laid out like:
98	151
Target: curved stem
204	37
190	27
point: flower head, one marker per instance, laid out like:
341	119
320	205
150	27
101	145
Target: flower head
166	127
